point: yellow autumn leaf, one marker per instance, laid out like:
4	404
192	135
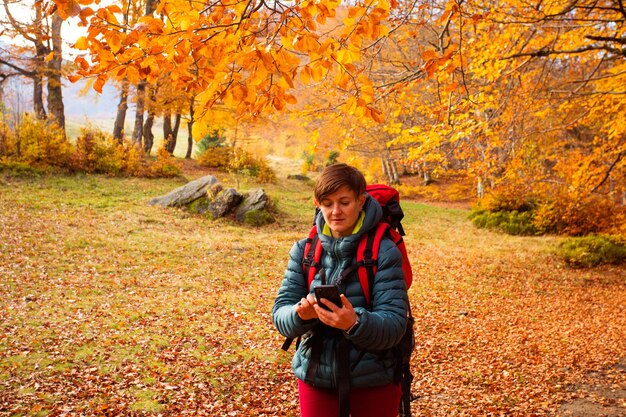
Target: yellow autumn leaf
318	73
85	13
239	92
185	22
81	63
132	74
288	79
342	80
115	43
306	75
347	56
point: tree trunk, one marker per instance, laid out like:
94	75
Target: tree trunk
390	170
190	130
148	137
3	78
40	55
170	134
120	117
150	7
175	131
177	125
426	177
385	167
394	173
480	188
55	89
141	104
38	107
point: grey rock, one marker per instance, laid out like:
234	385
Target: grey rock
224	202
256	200
186	194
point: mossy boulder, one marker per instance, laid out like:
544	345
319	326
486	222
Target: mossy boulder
257	218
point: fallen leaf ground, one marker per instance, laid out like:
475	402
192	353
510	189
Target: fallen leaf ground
109	306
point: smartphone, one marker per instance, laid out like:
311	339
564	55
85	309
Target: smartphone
329	292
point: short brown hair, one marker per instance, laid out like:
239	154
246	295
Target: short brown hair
336	176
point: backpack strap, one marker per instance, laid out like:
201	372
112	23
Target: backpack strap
407	344
396	237
367	258
312	256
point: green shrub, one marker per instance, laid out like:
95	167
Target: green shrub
510	222
309	161
213	139
592	250
19	170
332	158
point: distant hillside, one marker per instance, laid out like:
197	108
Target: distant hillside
84	106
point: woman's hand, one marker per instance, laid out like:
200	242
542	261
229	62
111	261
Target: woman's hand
306	308
339	317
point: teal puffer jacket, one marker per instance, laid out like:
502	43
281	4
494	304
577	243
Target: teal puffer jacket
382	326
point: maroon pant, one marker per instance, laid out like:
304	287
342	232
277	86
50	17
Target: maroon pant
382	401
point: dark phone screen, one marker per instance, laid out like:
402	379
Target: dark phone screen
329	292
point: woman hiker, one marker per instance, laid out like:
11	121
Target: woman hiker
344	363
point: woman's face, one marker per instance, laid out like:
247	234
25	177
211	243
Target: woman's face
341	210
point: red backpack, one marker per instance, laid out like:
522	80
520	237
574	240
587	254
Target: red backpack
369	245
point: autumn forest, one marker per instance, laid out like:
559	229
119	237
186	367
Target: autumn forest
502	123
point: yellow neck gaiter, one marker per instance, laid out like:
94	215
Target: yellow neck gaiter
357	226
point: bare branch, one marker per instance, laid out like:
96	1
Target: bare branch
546	51
22	71
17	25
607	174
621	40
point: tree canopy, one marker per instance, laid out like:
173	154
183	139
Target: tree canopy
527	97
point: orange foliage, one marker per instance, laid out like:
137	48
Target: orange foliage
240	54
515	95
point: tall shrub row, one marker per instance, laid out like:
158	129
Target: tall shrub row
41	145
